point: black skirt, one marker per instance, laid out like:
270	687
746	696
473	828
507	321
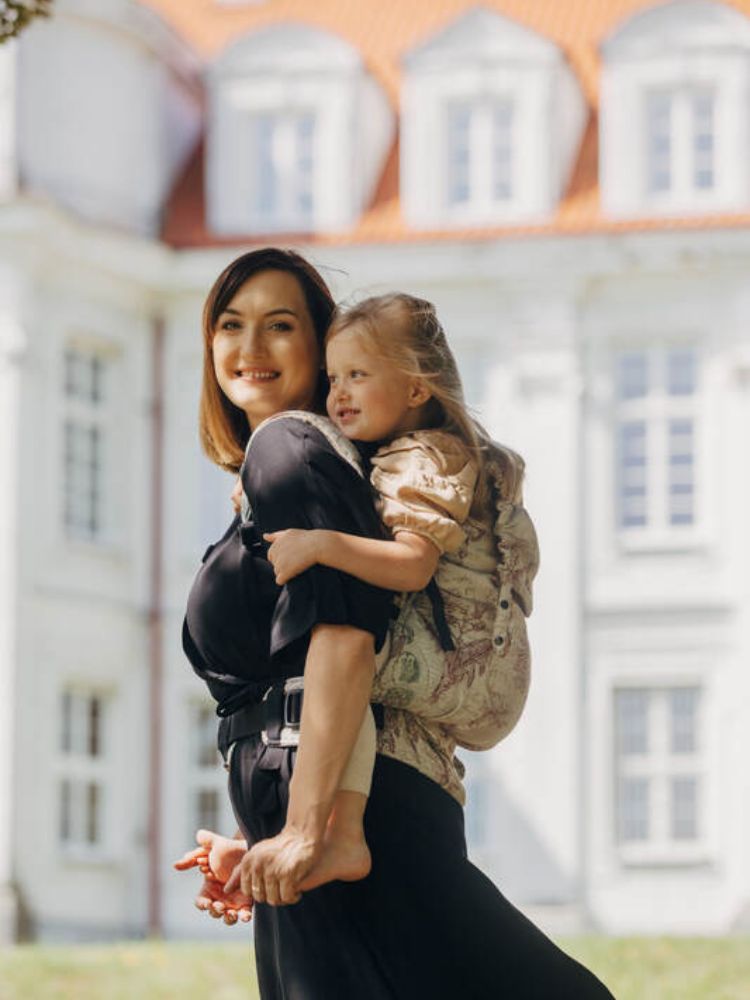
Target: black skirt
424	924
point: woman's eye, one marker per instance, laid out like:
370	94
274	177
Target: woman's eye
281	326
229	324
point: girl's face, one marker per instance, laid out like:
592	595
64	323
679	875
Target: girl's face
265	352
369	398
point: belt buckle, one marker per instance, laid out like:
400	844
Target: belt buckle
289	734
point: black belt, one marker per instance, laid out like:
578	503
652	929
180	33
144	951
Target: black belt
276	718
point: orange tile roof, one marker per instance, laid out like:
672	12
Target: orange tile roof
384	31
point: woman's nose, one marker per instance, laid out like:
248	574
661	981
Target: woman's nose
252	343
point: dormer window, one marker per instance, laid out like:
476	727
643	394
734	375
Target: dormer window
479	153
673	79
298	134
480	138
680	143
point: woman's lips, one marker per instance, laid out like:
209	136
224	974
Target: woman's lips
257	374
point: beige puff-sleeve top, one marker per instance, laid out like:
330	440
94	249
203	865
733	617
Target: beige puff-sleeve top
426	483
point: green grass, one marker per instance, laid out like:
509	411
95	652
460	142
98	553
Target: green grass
633	968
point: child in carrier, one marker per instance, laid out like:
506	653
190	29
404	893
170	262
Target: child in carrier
394	385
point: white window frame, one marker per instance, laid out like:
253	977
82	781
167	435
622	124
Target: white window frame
660	765
204	775
284	157
481	201
656	409
87	414
81	769
682	192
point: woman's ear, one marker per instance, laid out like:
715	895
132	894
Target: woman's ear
419	392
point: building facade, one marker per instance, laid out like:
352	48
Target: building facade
570	188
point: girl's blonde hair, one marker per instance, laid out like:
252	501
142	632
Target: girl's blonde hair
405	331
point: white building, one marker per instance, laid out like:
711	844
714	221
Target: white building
569	184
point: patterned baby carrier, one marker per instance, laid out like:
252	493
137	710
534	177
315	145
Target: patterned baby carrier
478	688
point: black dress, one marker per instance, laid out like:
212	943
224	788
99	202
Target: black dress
425	923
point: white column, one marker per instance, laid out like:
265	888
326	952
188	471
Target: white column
8	167
11	341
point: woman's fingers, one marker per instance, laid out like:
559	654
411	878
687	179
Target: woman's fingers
288	892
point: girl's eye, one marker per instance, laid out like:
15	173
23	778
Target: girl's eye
358	373
229	324
332	380
281	326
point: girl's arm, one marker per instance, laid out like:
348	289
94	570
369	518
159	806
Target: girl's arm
408	562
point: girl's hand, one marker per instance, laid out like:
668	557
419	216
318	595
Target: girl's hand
292	552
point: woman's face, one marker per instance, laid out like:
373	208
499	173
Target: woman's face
266	356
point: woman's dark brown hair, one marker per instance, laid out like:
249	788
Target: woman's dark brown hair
224	430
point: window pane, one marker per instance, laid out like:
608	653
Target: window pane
683	712
94	727
205	753
632	473
93	799
633	809
266	186
65	811
83	450
659	142
681	472
305	132
66	722
681	371
632	375
458	153
502	151
631	721
207	809
684	808
703	140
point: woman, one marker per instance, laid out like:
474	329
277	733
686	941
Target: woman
425	923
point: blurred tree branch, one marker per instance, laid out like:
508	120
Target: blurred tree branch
15	15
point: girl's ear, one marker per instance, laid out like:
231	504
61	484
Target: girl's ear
419	392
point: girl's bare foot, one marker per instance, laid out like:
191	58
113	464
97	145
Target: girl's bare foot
343	859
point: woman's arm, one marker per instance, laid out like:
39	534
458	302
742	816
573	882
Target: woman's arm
407	562
339	670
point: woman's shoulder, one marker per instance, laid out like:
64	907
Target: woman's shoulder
281	429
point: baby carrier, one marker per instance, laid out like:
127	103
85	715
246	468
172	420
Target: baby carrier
462	660
478	689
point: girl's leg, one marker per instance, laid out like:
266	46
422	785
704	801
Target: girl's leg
346	856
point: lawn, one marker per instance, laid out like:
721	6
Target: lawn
633	968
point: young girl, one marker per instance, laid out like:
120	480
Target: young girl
393	383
